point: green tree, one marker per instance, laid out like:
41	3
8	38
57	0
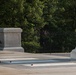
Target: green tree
33	22
50	24
10	12
60	18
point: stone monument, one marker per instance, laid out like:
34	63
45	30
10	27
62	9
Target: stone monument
10	39
73	54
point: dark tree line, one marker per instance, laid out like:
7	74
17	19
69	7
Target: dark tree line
48	25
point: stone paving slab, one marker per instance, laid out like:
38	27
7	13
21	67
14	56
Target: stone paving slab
38	71
22	69
11	54
19	56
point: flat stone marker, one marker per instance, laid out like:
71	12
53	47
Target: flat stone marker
10	39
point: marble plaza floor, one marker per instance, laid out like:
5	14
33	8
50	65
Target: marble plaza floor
18	63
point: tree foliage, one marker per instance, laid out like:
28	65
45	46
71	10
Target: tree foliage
48	25
60	24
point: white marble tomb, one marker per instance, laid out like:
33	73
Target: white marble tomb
10	39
